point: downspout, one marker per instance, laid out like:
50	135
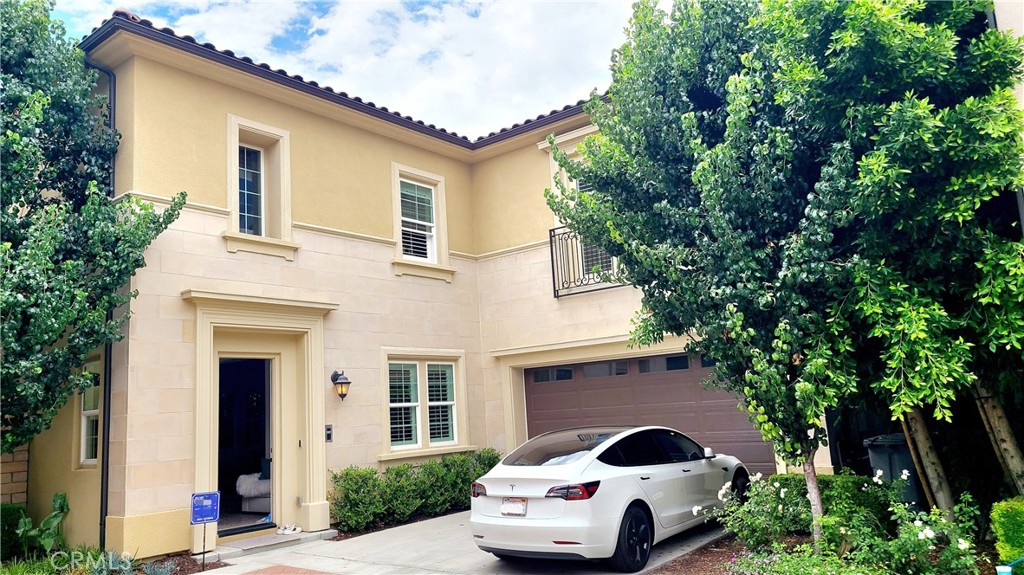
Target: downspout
108	347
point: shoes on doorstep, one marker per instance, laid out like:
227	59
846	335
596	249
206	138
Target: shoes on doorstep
289	529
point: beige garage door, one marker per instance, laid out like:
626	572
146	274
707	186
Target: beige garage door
659	390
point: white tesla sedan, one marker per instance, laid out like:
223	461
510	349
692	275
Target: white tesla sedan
598	492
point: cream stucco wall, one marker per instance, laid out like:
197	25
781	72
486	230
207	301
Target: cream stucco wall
508	191
55	464
341	174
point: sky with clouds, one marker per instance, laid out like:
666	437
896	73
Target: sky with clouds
469	67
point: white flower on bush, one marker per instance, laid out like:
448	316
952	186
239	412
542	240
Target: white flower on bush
963	544
918	523
696	510
757	476
878	477
780	508
782	493
776	485
724	491
905	475
926	533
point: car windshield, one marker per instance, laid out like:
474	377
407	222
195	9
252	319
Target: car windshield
561	447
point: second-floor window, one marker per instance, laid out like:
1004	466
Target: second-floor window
250	190
418	238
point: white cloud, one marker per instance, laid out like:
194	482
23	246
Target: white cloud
470	67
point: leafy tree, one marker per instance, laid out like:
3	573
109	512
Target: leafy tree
67	249
810	189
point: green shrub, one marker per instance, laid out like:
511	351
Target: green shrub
400	490
485	459
364	498
10	514
444	483
357	502
926	543
1008	525
461	472
800	562
777	506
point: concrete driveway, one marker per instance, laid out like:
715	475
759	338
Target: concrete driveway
435	546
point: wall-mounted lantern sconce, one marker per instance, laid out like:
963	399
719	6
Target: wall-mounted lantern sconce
341	384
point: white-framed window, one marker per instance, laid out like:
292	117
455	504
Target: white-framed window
250	190
89	433
259	189
426	402
441	403
418	222
421	234
408	382
404	404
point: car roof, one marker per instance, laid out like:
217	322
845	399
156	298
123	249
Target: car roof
613	429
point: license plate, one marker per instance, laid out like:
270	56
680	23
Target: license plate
515	506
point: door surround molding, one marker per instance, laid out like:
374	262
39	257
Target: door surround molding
253	315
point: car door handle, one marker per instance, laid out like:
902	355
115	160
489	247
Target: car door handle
686	470
642	478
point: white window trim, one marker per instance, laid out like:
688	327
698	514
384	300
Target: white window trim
85	416
432	235
438	267
568	143
423	448
93	366
263	190
417	409
453	403
276	239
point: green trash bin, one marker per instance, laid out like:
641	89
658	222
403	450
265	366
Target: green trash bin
890	454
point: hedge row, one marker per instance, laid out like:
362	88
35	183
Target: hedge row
365	498
1008	525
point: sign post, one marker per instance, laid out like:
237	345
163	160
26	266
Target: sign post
205	509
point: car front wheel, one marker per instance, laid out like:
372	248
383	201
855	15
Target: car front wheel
633	548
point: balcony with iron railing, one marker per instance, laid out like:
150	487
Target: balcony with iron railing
576	266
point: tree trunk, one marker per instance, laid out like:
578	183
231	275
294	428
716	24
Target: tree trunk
814	494
1005	444
934	473
912	447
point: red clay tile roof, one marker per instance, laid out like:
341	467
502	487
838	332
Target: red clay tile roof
124	20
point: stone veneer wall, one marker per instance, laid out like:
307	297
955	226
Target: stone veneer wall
14	476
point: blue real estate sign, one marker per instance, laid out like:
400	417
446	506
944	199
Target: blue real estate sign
205	507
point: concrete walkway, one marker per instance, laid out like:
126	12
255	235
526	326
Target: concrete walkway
435	546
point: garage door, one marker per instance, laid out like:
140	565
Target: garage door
658	390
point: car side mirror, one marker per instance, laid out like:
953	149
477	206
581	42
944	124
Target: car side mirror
709	453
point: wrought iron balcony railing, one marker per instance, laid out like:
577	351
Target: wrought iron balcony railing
577	267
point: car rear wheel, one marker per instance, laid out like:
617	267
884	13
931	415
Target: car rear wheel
740	485
633	548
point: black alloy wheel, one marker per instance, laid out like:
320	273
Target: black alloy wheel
634	544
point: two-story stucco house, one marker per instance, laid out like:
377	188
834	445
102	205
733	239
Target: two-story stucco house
326	234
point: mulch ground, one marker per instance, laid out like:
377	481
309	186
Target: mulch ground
184	564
